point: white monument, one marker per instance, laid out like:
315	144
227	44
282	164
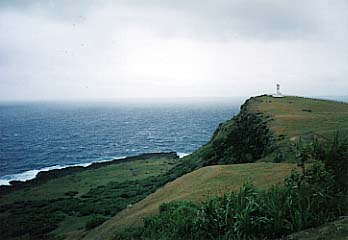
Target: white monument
278	94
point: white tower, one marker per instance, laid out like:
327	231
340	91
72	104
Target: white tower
278	94
278	88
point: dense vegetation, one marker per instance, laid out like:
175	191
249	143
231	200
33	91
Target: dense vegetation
309	199
246	141
36	217
243	139
46	176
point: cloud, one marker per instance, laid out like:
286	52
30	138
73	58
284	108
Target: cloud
267	19
89	49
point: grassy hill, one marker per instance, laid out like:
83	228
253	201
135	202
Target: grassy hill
265	129
197	186
66	204
298	116
291	118
84	181
71	203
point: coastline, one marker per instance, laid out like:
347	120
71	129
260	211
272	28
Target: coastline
32	174
35	177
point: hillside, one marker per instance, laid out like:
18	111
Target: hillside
71	203
66	204
298	116
265	130
292	118
197	186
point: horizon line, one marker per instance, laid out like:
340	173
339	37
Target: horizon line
132	99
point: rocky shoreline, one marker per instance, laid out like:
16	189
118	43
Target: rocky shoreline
45	176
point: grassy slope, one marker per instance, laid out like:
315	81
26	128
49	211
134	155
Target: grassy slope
286	119
290	120
197	186
84	181
127	171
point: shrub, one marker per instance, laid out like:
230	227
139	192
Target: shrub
173	222
71	193
94	222
333	153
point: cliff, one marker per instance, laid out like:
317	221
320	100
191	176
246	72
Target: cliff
245	138
267	129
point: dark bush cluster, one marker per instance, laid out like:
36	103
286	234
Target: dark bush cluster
33	219
94	222
243	139
38	218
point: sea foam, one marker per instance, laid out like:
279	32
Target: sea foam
181	155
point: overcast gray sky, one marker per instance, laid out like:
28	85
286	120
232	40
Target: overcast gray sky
89	49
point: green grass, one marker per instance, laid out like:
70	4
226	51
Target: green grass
101	192
303	201
82	182
290	118
293	118
196	186
267	128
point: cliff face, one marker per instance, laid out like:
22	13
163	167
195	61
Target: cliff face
244	138
268	128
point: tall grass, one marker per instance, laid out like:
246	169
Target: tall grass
304	200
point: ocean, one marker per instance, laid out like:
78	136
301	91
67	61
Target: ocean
40	136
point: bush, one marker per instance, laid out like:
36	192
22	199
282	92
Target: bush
71	193
94	222
333	153
174	221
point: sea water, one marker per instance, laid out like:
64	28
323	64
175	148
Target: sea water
40	136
